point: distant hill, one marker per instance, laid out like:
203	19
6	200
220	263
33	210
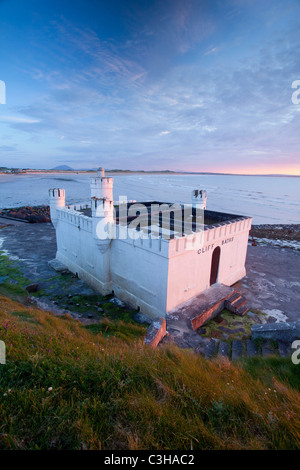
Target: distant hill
63	167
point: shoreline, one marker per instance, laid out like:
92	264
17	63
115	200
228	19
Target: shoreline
144	172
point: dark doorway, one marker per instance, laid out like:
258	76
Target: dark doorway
215	265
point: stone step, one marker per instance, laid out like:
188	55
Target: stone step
211	349
236	304
224	349
268	349
239	303
236	350
241	311
252	349
240	348
284	349
232	299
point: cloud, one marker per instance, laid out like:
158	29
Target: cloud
164	132
211	51
118	98
17	119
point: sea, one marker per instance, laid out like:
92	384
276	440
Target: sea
269	200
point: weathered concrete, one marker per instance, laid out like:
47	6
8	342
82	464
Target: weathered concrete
57	265
286	332
195	312
156	332
32	246
272	280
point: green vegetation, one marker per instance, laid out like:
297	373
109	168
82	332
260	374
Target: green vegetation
228	324
12	282
67	386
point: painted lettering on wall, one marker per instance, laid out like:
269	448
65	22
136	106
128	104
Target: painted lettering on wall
227	240
207	248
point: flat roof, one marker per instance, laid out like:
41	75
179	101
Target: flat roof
167	221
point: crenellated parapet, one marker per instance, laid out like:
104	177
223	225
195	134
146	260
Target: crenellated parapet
199	198
57	200
102	187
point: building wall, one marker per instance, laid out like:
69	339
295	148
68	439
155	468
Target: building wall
136	270
77	249
190	269
139	273
154	275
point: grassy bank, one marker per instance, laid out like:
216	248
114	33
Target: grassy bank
66	386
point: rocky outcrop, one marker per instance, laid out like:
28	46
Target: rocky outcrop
36	214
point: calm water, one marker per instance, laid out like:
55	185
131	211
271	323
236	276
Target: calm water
270	200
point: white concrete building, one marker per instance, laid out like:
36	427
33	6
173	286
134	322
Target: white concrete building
166	264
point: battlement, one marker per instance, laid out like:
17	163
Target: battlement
101	187
73	217
199	197
56	200
57	193
102	207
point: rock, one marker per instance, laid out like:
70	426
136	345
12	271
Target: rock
57	265
90	315
32	288
118	302
142	318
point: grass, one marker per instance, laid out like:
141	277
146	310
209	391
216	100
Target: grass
12	282
67	386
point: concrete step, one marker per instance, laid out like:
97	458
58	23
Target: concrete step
241	311
239	303
234	297
235	303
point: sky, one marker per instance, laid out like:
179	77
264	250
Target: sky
182	85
